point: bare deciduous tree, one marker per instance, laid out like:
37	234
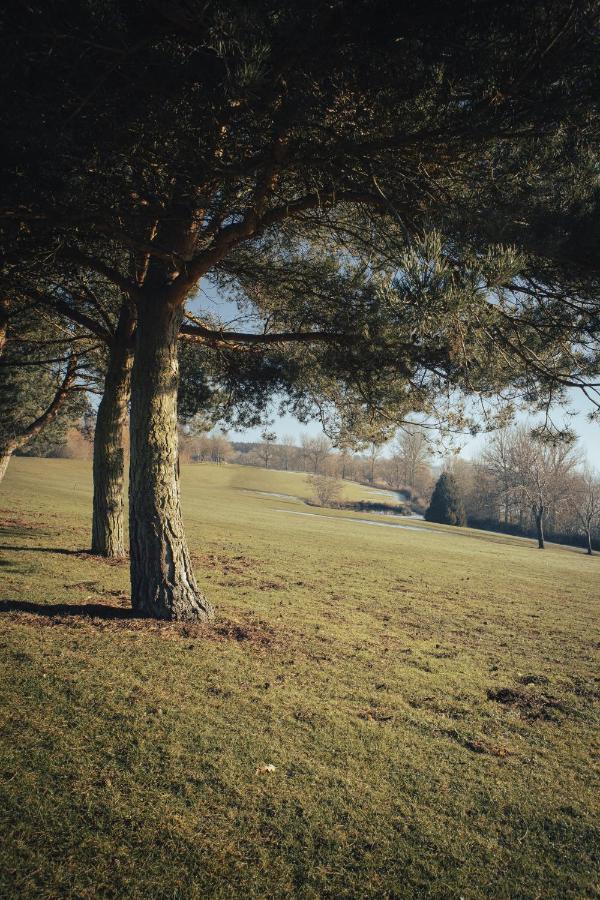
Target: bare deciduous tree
327	490
266	448
497	459
586	502
316	450
540	473
287	450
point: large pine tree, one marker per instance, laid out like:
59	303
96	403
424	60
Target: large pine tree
161	144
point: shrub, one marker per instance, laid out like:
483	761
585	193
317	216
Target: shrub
326	490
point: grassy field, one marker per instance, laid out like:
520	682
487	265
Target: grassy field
426	698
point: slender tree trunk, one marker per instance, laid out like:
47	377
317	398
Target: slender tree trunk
162	579
49	414
589	542
539	524
108	530
6	453
4	316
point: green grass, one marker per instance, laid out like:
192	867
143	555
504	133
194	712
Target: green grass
427	698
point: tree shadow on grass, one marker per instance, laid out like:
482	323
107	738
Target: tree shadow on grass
50	610
33	549
65	551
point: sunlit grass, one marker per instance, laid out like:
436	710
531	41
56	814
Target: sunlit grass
426	697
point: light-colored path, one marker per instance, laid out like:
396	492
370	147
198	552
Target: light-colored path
294	512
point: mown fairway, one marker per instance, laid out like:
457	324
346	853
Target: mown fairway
426	697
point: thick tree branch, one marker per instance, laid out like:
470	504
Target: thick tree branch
201	332
97	265
51	411
252	225
74	315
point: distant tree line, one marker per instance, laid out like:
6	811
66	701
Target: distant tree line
521	483
405	467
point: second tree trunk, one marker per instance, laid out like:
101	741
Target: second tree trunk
108	530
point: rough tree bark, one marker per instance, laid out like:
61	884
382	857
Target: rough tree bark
108	528
162	579
49	414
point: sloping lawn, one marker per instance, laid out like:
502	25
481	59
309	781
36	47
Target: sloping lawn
426	698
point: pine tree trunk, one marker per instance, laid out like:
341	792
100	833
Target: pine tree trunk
162	580
539	524
108	531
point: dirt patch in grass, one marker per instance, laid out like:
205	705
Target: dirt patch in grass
588	690
251	631
255	633
478	746
373	714
85	586
17	523
228	565
106	561
533	679
442	653
528	704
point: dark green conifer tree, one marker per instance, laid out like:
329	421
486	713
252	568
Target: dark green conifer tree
446	504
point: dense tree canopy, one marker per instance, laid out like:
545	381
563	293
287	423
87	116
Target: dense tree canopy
229	120
248	132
